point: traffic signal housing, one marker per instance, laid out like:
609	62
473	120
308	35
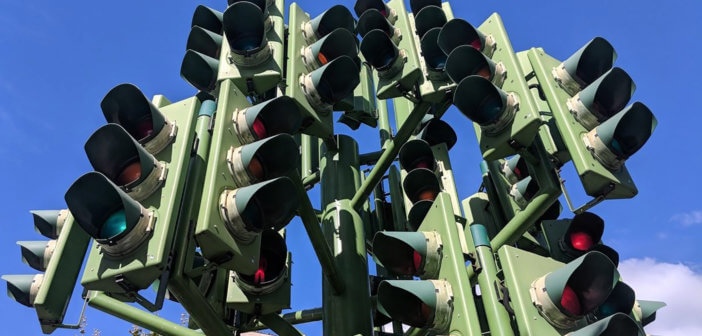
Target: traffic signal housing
567	239
246	190
598	138
129	204
60	260
491	90
319	75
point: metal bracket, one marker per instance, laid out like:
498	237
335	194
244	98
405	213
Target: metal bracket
58	324
160	293
590	204
503	294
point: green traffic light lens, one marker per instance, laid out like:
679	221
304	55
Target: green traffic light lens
114	225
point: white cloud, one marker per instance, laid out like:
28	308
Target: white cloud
675	284
688	218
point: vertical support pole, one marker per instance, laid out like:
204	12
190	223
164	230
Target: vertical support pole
309	148
497	317
187	293
350	312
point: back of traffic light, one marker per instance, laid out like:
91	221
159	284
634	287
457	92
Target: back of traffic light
321	72
60	260
130	203
491	90
245	190
598	131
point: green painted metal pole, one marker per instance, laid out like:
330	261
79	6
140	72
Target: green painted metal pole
350	312
298	317
384	122
310	180
279	325
497	317
161	326
523	220
319	243
389	154
309	148
187	293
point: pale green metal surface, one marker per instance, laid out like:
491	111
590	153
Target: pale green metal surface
596	179
520	268
141	318
146	264
441	218
350	312
60	276
180	285
211	233
526	121
267	75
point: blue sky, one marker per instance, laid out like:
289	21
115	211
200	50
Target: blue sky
60	58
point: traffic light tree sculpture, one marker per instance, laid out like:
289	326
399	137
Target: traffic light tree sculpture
193	197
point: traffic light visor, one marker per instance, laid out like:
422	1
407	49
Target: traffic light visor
336	80
128	107
467	61
208	18
244	27
199	70
378	50
589	62
433	55
421	184
458	32
335	17
437	131
415	154
429	17
482	102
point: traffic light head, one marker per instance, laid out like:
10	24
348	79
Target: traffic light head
363	6
458	32
381	53
331	83
339	42
207	18
409	253
621	300
250	210
584	232
485	104
524	191
199	70
37	254
275	116
417	5
618	324
128	107
515	169
263	160
467	61
602	99
335	17
421	184
23	288
436	131
204	41
415	154
421	304
272	266
585	65
646	310
372	19
567	294
115	154
244	25
116	221
618	138
433	55
49	223
428	18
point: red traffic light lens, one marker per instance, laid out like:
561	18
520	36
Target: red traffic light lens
260	275
476	44
581	241
427	194
322	58
130	174
417	259
260	129
256	168
570	301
